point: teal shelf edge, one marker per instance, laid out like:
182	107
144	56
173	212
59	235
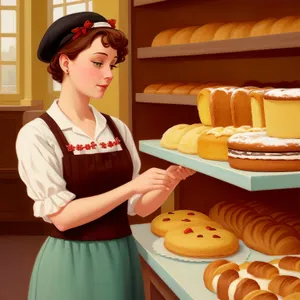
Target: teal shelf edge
251	181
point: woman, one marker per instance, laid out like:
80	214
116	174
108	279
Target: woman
81	168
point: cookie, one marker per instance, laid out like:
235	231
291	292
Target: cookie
201	241
170	220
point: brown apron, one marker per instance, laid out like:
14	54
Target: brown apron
88	175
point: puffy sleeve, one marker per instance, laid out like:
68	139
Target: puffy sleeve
41	170
128	139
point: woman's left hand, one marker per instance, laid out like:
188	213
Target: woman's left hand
180	172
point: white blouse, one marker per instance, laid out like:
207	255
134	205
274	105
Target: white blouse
40	158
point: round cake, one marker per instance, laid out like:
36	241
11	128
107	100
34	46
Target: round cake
256	151
202	241
170	220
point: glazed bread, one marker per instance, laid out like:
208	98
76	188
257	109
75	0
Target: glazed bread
250	280
259	231
282	113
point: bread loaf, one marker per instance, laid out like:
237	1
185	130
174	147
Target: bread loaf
183	35
295	296
242	30
168	87
152	88
205	33
163	38
262	27
283	25
184	89
259	232
223	33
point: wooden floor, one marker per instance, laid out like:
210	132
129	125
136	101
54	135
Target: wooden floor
17	256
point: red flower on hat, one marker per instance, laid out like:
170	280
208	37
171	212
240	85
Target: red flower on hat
82	30
112	23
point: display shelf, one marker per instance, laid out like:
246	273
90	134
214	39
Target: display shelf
166	99
267	42
174	272
251	181
145	2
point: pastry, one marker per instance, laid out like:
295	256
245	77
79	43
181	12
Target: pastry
282	25
171	138
262	27
295	296
223	33
189	142
169	87
257	107
163	38
205	33
242	30
152	88
170	220
212	144
263	280
256	151
201	240
240	105
282	113
259	232
183	35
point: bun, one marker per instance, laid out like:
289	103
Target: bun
152	88
205	33
163	38
183	35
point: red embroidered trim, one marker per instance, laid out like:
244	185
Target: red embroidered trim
93	145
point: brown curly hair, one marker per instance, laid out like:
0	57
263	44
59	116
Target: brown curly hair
110	37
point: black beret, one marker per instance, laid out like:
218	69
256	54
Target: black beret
60	32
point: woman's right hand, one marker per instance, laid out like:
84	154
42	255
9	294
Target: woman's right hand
153	179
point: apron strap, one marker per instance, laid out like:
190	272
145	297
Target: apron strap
111	124
60	137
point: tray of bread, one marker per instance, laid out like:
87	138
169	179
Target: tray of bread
191	236
254	280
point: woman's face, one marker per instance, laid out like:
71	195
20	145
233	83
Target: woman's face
92	71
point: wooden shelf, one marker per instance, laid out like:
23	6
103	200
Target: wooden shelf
145	2
251	181
166	99
267	42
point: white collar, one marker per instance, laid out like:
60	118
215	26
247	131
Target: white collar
65	123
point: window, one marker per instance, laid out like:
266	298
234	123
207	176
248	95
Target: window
9	64
60	8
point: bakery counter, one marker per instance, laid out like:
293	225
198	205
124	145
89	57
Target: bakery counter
251	181
185	279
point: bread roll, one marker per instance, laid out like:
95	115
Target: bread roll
189	142
262	270
242	30
284	285
163	38
223	33
295	296
224	282
283	25
168	87
152	88
260	295
295	27
205	33
183	36
262	27
199	88
171	138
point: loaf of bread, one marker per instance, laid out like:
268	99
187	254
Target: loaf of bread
260	232
163	38
205	33
262	27
199	88
183	35
242	30
152	88
240	105
172	136
283	25
184	89
224	32
169	87
295	27
264	279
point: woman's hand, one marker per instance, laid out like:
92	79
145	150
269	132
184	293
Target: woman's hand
180	172
153	179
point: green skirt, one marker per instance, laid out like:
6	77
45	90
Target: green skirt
80	270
